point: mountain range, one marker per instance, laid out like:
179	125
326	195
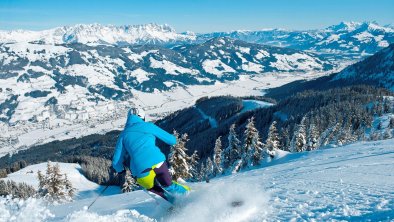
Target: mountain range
349	39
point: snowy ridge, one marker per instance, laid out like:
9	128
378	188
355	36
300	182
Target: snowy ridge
349	39
99	34
352	183
352	40
378	69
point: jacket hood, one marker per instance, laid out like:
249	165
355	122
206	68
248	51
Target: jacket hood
133	119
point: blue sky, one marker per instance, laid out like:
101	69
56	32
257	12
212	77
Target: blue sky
194	15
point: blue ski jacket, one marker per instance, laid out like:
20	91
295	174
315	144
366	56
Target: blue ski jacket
138	142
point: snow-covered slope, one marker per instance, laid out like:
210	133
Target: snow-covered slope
84	187
351	183
51	86
99	34
377	69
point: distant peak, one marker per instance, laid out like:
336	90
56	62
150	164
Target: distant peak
345	26
352	26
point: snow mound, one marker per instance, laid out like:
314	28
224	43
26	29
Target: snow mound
29	210
119	216
212	202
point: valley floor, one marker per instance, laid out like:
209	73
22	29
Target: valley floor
351	183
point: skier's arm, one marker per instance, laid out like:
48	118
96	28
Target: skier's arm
162	134
118	158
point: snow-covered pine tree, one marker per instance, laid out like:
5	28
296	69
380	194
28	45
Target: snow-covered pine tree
193	163
41	183
298	142
69	187
232	153
202	173
253	147
387	134
217	157
129	184
178	158
16	190
312	137
273	142
57	183
285	139
346	135
391	124
208	170
55	186
328	135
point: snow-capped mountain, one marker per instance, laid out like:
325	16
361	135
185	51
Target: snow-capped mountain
38	79
99	34
377	69
350	39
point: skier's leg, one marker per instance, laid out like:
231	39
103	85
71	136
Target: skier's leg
149	182
164	178
163	175
158	190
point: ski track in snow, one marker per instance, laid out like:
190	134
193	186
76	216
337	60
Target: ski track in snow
212	121
352	183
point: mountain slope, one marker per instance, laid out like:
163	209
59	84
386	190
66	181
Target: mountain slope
39	80
376	70
352	183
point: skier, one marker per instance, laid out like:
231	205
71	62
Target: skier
147	162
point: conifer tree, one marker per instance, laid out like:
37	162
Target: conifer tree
253	147
57	183
391	124
16	190
232	153
178	158
273	141
55	186
69	187
298	143
285	139
312	142
193	163
129	184
217	157
208	169
387	134
202	173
